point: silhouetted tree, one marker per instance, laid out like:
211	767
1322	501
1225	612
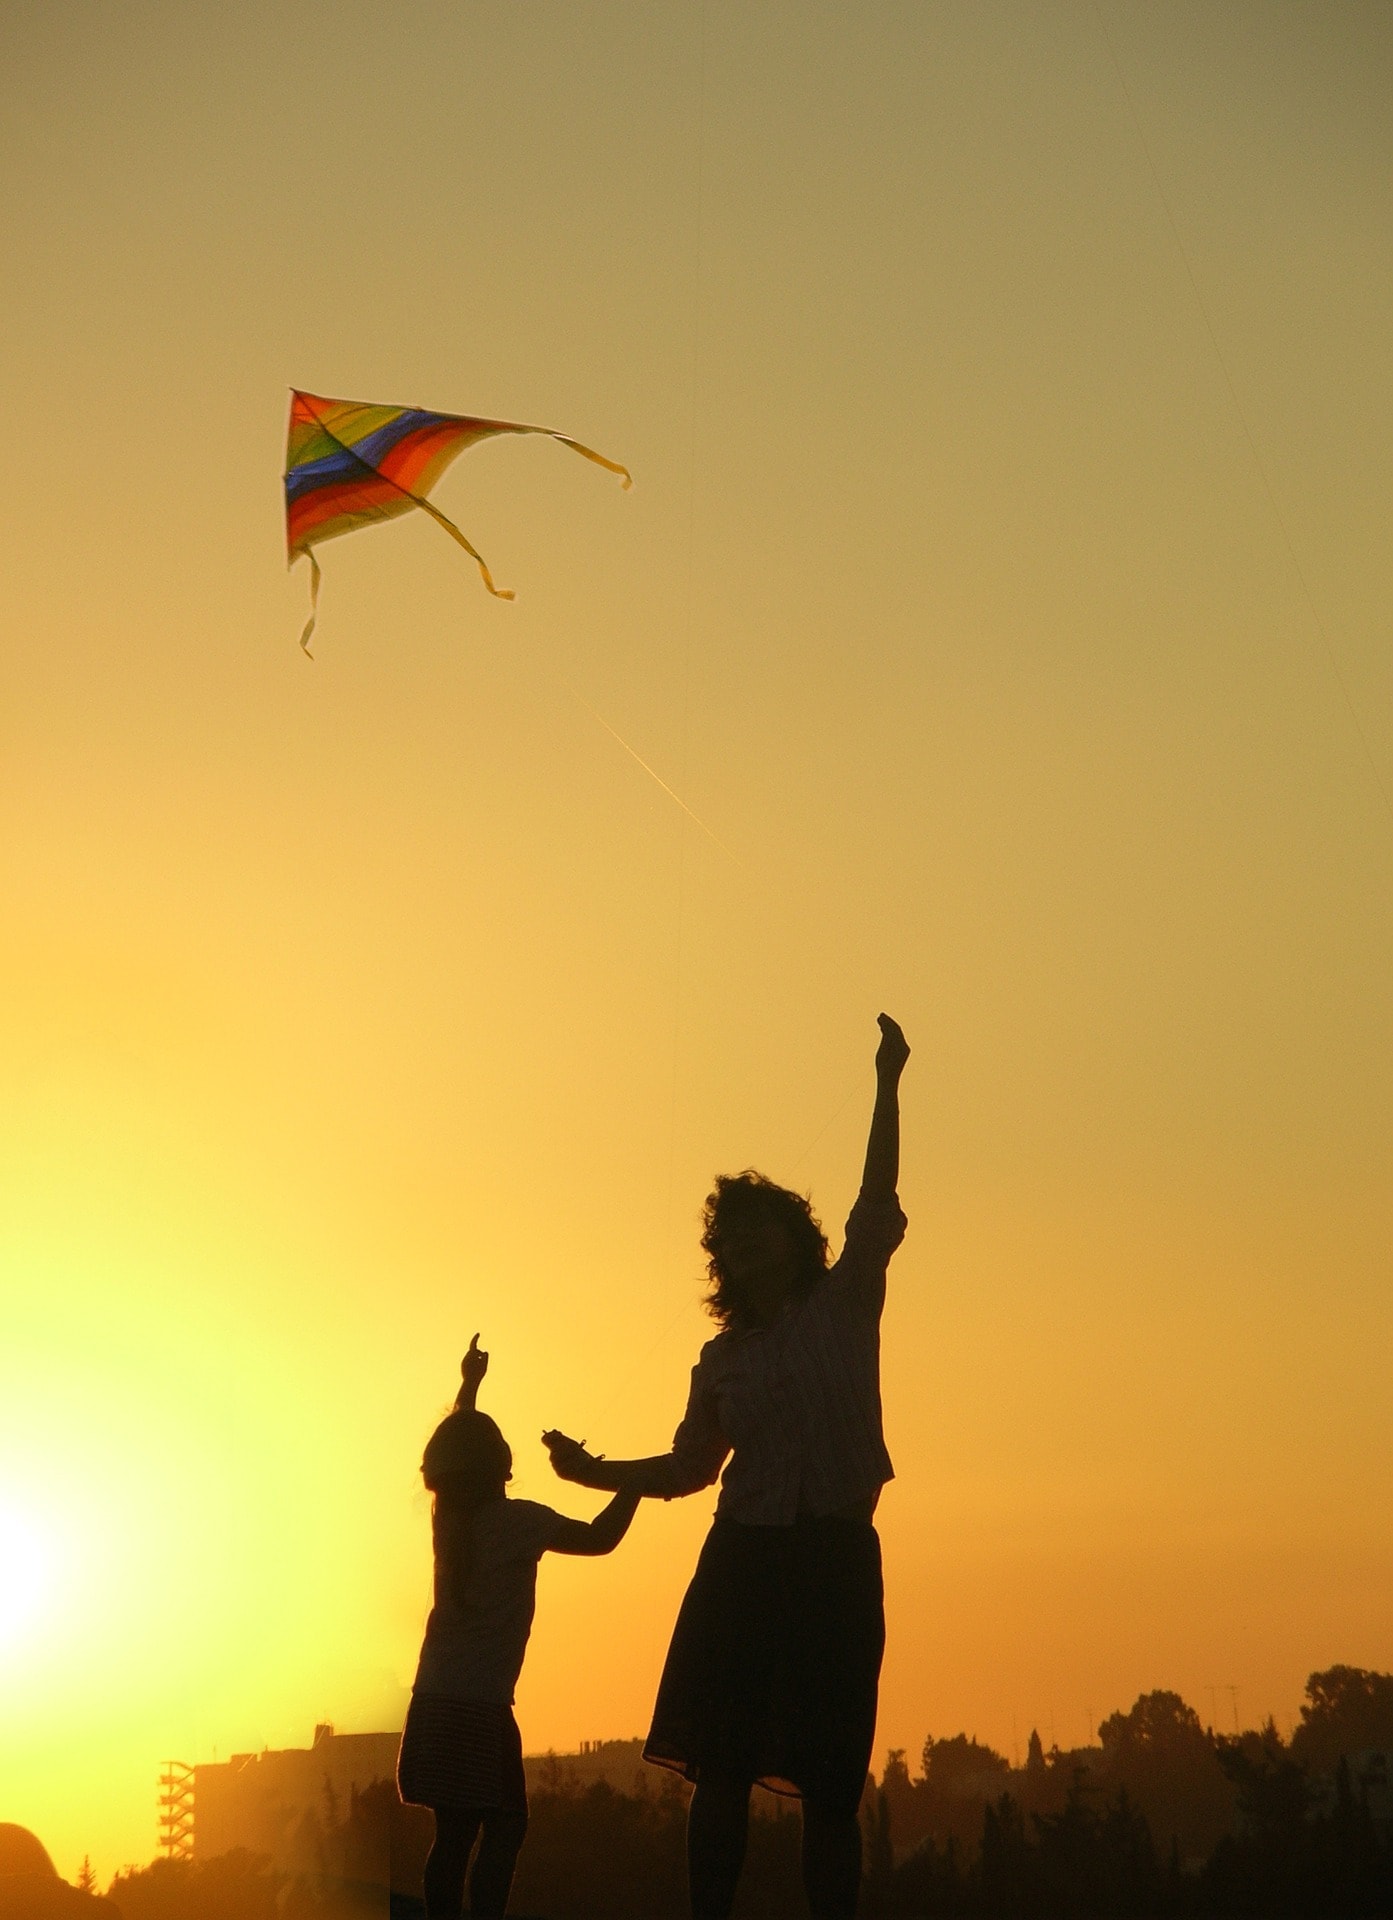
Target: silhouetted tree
962	1777
877	1819
1273	1794
235	1886
900	1797
1348	1710
1162	1819
1297	1851
1097	1863
962	1762
1167	1763
1004	1869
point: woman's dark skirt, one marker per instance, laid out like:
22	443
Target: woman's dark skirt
461	1753
774	1664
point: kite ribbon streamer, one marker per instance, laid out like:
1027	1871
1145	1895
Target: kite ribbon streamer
499	593
315	577
349	464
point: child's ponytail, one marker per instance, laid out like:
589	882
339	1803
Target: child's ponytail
467	1464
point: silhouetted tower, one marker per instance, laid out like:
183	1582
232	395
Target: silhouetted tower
176	1811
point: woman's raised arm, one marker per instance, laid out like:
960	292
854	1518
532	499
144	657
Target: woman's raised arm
882	1171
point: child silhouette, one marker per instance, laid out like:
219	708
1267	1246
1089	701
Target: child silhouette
461	1752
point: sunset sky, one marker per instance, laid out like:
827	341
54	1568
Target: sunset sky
1005	585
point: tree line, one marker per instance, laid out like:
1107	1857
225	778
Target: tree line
1163	1817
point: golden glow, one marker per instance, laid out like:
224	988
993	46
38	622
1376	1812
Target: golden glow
25	1575
348	1006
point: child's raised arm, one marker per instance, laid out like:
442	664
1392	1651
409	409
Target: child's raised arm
600	1535
473	1367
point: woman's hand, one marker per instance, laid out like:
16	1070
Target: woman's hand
882	1171
569	1459
893	1051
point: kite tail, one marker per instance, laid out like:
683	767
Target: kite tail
499	593
315	577
611	466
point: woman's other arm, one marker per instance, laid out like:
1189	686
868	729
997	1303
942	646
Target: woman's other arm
698	1452
663	1476
882	1170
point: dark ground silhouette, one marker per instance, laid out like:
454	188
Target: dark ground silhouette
1162	1818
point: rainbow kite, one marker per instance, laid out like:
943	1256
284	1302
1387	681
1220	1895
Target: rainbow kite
348	465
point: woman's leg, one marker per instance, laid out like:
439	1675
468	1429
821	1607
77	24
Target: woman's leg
718	1824
494	1863
840	1611
831	1859
455	1828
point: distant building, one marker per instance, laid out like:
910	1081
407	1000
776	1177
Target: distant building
281	1801
618	1763
265	1801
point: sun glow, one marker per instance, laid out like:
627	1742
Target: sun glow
25	1564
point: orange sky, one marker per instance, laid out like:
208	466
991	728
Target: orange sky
1005	583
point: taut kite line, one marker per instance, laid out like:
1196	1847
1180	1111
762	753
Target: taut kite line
348	464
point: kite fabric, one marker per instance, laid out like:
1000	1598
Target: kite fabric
348	465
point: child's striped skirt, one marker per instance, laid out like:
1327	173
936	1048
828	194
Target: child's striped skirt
461	1753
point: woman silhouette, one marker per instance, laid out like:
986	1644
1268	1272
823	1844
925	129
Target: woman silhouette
772	1672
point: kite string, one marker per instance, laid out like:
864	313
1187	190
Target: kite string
689	628
505	593
502	593
600	1416
683	861
671	792
1238	408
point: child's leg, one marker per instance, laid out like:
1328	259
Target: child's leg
455	1828
718	1821
494	1863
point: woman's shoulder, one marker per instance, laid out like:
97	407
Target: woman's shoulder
716	1351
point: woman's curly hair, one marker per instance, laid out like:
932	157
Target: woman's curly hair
740	1195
